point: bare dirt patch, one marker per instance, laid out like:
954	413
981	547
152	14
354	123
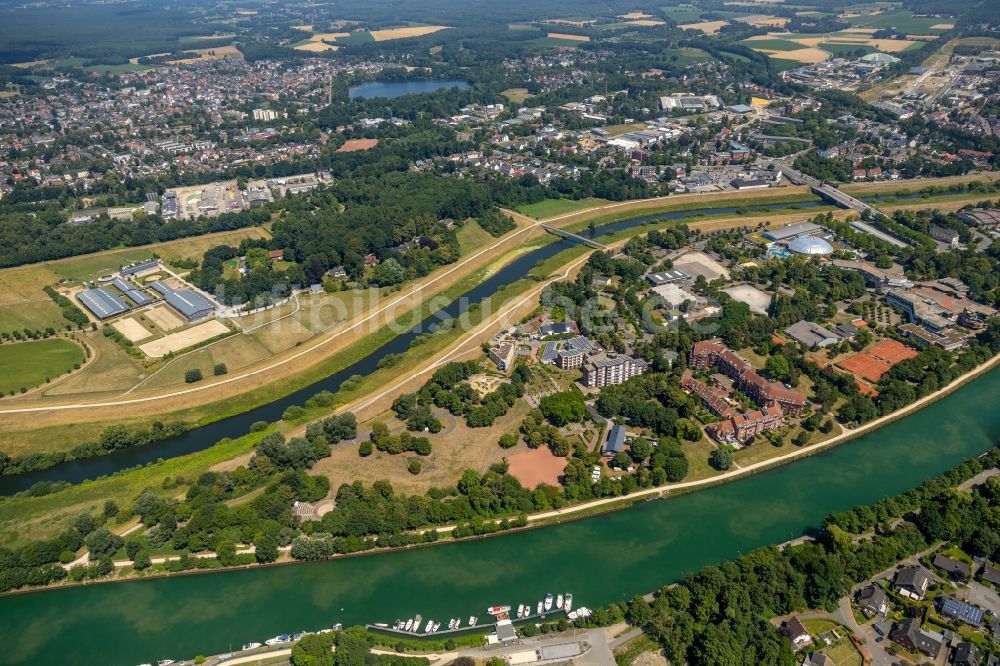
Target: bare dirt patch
533	468
357	145
316	47
132	329
184	339
164	317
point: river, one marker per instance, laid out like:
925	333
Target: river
201	438
392	89
600	559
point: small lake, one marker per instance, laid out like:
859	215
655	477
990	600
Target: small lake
392	89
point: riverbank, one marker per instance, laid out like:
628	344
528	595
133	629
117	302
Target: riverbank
588	509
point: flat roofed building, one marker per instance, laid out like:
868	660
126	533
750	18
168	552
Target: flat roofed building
192	305
611	368
615	441
810	334
102	303
671	276
790	231
140	267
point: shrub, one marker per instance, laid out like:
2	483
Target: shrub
259	426
193	375
414	467
220	369
365	449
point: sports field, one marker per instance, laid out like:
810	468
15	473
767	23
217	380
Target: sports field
29	364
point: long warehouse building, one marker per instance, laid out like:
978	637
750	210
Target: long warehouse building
102	303
132	291
192	305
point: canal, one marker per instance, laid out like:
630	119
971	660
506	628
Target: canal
600	559
205	436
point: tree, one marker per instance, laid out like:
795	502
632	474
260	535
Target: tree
102	543
414	467
676	468
265	548
802	438
193	375
141	561
365	449
313	650
721	458
110	508
563	407
508	440
220	369
777	367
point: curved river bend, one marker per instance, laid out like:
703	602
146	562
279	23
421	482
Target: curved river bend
236	426
600	559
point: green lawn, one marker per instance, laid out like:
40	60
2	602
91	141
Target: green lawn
682	14
840	50
552	207
900	19
29	364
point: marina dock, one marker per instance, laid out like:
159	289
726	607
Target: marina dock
389	629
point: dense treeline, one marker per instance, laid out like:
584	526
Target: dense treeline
719	616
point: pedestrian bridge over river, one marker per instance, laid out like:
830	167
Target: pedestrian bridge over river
589	242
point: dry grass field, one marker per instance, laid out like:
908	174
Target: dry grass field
799	55
316	47
646	23
707	27
766	21
517	95
183	339
632	16
563	35
403	33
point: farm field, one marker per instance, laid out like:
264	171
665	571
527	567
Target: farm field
405	32
569	37
902	20
30	364
215	53
681	14
707	27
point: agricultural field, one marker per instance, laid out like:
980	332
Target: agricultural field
562	36
707	27
682	14
802	48
902	20
214	53
30	364
406	32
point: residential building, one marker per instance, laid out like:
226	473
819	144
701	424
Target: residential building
609	368
909	634
708	353
912	582
817	659
873	600
742	427
503	354
960	611
795	631
957	570
990	574
967	654
945	235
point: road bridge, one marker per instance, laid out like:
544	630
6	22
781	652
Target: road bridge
589	242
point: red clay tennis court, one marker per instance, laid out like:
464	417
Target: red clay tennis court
532	468
874	362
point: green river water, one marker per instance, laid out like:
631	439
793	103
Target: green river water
599	560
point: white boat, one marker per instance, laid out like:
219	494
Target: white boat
437	625
427	627
568	605
164	662
559	602
520	610
472	620
451	623
548	601
538	611
408	625
571	615
527	610
497	610
278	640
416	623
380	625
251	646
